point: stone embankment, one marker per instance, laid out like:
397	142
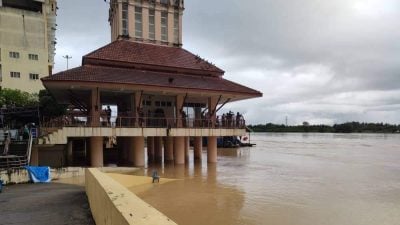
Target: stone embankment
112	203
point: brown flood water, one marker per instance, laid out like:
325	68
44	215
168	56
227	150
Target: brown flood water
288	179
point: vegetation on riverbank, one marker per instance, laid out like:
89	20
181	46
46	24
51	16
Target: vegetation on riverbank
350	127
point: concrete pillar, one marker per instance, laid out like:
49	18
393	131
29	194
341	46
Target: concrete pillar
95	107
158	25
171	25
198	148
179	150
137	151
69	153
145	19
123	150
212	149
135	106
150	149
179	104
158	149
169	149
96	152
212	105
197	116
212	172
187	147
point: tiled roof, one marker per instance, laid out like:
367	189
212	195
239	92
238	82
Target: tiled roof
151	55
91	73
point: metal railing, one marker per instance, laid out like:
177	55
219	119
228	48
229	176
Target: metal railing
15	158
142	122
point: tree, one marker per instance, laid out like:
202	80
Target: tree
17	98
49	108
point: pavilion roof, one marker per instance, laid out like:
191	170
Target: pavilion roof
125	53
131	76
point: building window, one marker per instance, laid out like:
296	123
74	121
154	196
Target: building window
176	27
146	103
33	76
15	74
164	26
14	55
152	24
33	57
138	22
164	2
125	19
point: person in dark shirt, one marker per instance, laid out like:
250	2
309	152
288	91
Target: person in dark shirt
108	112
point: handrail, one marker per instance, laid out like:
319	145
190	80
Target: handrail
143	122
29	150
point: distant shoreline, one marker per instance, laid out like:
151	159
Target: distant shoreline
350	127
300	132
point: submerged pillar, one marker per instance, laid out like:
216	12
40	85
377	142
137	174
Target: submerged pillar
187	147
150	149
96	152
169	149
198	147
179	150
212	149
137	151
158	147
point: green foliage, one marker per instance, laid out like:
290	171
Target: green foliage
351	127
17	98
49	108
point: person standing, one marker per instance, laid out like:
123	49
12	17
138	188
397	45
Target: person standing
108	112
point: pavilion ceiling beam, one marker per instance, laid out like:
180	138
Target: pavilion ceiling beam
183	103
140	101
227	101
215	107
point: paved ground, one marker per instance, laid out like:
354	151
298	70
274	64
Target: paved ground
48	204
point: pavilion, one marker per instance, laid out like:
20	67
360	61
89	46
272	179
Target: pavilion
161	96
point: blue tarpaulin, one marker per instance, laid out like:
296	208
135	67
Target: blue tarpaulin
39	174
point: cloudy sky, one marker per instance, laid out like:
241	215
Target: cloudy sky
315	60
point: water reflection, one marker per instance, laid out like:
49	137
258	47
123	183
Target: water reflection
197	198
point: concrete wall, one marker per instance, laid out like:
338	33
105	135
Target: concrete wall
111	203
19	176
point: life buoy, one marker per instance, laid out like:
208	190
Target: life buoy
245	138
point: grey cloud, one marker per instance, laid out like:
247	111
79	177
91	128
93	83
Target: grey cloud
315	60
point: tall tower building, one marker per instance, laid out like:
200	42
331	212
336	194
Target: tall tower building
151	21
27	43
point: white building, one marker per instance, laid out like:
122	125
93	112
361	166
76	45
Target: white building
27	43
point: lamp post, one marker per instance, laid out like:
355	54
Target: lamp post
67	57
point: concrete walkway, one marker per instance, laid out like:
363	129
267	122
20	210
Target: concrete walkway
48	204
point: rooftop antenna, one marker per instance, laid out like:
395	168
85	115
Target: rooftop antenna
67	57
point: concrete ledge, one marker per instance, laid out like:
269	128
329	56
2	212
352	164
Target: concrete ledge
111	203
